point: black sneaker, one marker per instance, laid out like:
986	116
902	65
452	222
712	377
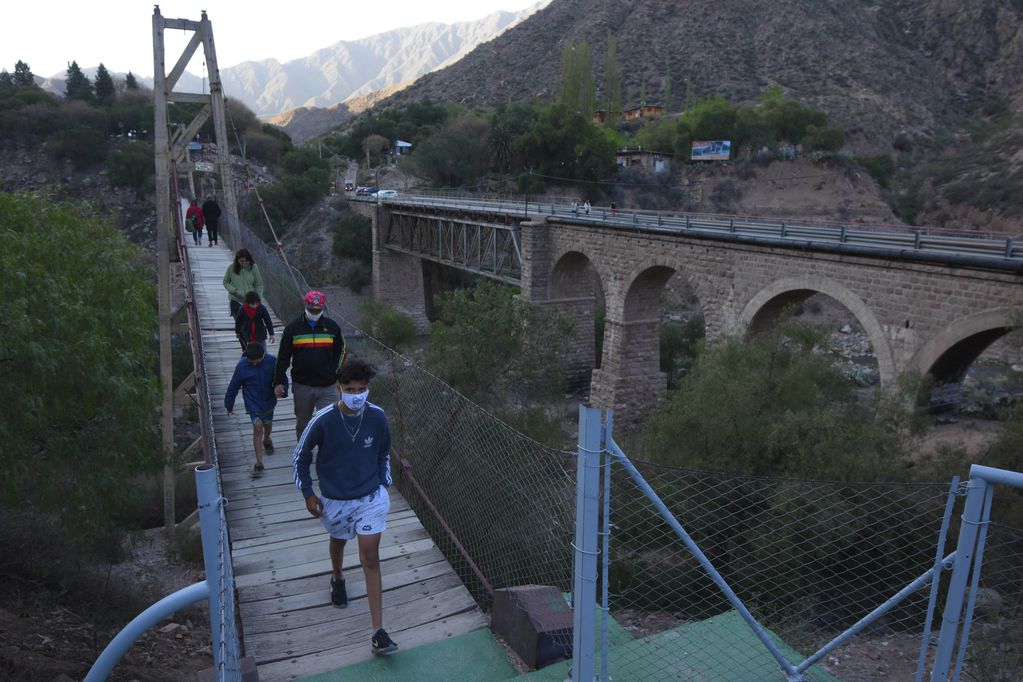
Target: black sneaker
383	645
338	594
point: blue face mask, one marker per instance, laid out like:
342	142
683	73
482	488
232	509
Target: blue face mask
355	401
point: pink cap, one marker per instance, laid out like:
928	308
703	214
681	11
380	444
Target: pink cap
315	298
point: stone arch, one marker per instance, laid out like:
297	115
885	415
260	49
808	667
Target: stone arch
575	288
768	303
951	351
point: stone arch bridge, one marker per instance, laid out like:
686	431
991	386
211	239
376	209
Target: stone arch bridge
928	303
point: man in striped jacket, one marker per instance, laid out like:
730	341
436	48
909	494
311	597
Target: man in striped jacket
315	349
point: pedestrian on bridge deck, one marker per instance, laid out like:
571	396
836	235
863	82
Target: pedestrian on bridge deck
194	214
211	214
254	376
314	347
242	276
253	322
353	464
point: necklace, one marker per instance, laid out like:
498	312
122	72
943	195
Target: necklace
353	434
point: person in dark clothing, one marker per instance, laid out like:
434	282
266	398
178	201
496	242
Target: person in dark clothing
211	214
253	323
315	349
352	441
254	376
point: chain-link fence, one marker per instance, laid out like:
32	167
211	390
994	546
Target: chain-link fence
809	559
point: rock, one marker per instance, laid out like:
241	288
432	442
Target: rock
846	329
989	603
169	628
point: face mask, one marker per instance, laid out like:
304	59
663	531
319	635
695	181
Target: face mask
355	401
313	317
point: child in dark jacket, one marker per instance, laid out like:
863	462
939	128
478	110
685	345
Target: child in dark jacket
253	323
254	375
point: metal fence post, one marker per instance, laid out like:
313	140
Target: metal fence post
977	490
587	525
212	553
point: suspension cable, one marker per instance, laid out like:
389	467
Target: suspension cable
262	206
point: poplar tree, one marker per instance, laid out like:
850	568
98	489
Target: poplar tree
667	91
577	89
79	87
105	90
612	80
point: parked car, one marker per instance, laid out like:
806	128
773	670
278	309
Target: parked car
349	187
387	194
366	191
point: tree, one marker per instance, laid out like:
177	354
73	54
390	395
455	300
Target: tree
132	165
772	406
456	155
667	91
23	77
514	345
82	366
79	87
577	91
105	90
130	83
353	238
6	82
566	144
612	80
374	144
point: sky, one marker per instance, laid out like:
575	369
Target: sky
48	35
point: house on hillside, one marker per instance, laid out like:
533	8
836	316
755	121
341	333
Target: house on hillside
401	148
643	111
650	161
601	116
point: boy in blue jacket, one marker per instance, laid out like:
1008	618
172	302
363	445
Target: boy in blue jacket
352	442
254	375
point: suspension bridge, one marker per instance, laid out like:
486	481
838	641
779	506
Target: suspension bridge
485	515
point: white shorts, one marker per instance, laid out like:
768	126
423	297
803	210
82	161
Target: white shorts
344	519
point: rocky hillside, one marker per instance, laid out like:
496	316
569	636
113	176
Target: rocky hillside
878	68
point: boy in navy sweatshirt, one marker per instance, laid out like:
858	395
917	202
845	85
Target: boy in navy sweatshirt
254	375
353	446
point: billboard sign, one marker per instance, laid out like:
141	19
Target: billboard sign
204	166
711	150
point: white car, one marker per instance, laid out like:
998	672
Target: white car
387	194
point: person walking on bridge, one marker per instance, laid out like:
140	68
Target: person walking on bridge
352	441
242	276
194	217
211	214
315	349
253	375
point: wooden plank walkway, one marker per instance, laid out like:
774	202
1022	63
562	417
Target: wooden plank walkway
281	566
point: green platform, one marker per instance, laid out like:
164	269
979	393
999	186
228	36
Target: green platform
715	649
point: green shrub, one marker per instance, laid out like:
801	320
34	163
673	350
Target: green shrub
881	168
353	238
83	366
389	326
132	165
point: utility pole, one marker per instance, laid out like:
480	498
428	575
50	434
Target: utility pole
171	154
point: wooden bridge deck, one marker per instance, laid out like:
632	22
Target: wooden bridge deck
281	566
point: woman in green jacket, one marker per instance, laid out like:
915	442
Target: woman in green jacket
241	277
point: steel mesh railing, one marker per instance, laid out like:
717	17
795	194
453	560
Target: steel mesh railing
809	559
